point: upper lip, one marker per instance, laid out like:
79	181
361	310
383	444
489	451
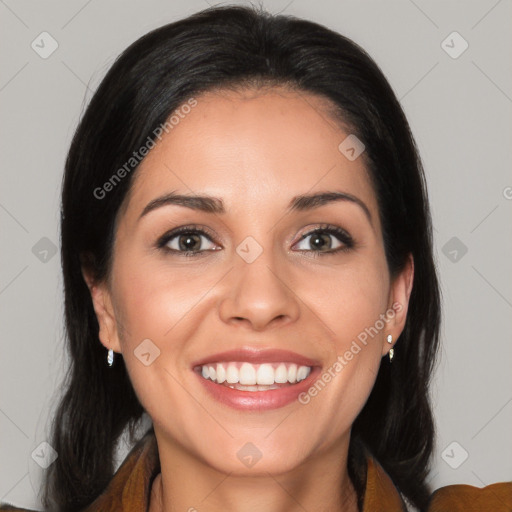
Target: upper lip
257	356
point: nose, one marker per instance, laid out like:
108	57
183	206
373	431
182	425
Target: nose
259	295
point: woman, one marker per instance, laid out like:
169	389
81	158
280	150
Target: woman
247	258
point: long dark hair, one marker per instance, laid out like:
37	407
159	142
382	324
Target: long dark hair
217	48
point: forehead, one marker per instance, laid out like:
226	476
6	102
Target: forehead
255	149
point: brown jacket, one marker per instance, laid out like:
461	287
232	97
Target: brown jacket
130	488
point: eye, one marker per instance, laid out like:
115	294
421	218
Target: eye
187	240
326	240
191	241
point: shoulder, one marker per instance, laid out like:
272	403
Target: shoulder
130	486
381	494
7	507
452	498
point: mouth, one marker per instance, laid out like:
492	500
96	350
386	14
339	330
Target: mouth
254	377
258	380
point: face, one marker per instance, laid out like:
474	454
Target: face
257	284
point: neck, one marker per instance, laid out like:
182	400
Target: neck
321	483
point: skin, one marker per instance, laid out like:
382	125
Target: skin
255	150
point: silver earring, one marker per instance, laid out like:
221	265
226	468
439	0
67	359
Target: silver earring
391	352
110	357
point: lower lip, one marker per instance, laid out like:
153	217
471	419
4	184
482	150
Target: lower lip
258	400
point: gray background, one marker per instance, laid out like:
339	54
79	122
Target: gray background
460	113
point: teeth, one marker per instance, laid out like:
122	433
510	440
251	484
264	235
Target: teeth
265	375
221	373
281	374
232	375
292	373
253	388
250	377
247	375
302	373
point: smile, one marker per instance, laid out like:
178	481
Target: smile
255	377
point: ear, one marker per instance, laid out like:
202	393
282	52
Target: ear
102	303
399	294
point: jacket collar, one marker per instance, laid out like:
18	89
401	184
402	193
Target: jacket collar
130	488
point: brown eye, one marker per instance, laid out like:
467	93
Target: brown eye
187	241
326	240
190	242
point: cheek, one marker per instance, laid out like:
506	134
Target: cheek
352	305
160	313
154	302
350	299
154	312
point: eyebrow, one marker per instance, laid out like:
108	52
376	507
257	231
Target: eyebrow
210	204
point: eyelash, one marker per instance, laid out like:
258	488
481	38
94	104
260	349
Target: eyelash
340	233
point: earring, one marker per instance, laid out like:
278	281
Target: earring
110	357
391	350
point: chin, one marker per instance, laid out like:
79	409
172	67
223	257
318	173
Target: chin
254	457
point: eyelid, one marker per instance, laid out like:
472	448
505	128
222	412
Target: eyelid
345	241
326	228
342	234
173	233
